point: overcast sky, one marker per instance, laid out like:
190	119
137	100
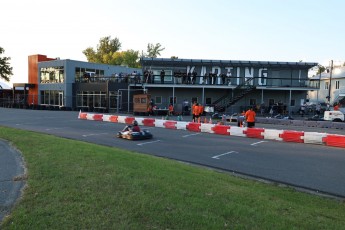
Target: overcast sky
260	30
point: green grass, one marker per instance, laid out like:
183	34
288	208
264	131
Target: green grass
76	185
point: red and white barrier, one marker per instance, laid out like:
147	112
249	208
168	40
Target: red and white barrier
261	133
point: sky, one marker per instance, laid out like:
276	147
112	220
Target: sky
257	30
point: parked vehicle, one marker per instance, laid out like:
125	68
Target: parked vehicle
335	115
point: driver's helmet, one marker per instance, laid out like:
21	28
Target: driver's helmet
135	123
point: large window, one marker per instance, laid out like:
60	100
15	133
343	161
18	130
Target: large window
86	74
52	74
326	85
50	97
337	84
91	99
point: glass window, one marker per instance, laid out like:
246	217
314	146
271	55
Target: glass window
270	101
208	101
171	101
292	102
158	100
194	99
326	85
337	84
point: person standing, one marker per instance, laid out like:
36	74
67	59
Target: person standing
250	118
162	76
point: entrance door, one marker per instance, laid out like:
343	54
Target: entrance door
61	102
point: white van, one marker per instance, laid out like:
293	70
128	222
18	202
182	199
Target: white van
334	115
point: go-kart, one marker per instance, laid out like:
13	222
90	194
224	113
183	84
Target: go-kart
130	135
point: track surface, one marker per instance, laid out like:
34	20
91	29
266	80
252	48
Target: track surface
313	167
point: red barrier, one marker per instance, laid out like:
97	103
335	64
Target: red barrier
254	132
192	126
334	140
98	117
149	122
221	129
292	136
170	124
129	120
113	119
83	116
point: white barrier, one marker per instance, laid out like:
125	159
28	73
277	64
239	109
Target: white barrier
182	125
140	120
237	131
106	118
314	137
273	134
160	123
206	128
121	119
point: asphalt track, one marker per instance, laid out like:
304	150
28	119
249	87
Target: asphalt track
314	168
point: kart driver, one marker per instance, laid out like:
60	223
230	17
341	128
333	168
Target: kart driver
134	128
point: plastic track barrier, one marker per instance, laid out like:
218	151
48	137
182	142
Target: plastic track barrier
237	131
160	123
334	140
149	122
182	125
170	124
292	136
113	119
221	129
206	128
129	120
121	119
254	132
195	127
314	138
98	117
83	116
273	134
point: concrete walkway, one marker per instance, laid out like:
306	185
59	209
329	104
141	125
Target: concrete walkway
12	177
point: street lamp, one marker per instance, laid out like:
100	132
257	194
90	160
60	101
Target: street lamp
330	83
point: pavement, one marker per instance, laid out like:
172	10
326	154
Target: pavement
12	177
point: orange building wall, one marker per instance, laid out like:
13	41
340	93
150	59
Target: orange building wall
33	61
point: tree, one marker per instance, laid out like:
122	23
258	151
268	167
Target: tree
321	69
105	49
154	51
5	68
108	52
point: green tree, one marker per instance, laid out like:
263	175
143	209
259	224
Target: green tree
105	50
154	51
108	52
5	68
321	69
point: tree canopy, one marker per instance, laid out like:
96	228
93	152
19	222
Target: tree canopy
154	51
108	52
5	68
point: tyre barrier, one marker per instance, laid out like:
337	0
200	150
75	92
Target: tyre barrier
333	140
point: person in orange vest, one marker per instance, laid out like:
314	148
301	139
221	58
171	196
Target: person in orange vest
193	108
250	118
196	113
201	111
171	110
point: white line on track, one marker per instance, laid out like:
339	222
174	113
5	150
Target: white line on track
217	157
259	142
93	134
150	142
191	134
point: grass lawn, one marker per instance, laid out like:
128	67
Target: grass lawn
77	185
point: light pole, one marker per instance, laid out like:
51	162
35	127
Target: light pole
330	83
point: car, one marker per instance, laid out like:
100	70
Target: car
129	135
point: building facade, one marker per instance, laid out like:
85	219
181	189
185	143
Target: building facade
331	87
228	85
